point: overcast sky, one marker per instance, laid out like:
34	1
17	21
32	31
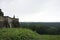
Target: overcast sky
32	10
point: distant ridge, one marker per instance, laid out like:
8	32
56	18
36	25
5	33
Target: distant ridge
50	24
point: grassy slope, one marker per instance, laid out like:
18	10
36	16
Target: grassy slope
24	34
18	34
50	37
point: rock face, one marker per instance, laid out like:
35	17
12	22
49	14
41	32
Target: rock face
8	22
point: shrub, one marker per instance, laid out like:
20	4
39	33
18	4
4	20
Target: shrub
18	34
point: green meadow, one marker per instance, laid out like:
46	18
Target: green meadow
24	34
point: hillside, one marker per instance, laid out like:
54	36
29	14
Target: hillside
24	34
18	34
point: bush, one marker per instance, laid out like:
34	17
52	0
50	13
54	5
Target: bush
18	34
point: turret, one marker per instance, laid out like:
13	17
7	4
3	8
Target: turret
14	16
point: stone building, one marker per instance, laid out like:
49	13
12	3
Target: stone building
8	22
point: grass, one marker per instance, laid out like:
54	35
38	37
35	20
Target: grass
24	34
50	37
18	34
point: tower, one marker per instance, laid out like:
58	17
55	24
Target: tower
14	16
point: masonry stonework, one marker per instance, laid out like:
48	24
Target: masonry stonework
8	22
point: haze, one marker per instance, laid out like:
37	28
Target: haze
32	10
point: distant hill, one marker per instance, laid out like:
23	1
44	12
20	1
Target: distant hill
49	24
42	27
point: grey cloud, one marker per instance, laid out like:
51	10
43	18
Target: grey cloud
28	7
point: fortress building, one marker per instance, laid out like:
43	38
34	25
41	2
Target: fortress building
8	22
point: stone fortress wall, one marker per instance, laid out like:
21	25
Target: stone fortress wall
8	22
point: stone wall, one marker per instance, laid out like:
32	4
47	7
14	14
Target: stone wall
8	22
1	24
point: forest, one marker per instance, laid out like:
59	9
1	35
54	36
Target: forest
51	28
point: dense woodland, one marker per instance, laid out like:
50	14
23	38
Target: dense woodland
52	28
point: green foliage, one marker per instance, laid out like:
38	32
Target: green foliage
43	28
18	34
50	37
24	34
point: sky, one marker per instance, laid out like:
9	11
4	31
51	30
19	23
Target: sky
32	10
